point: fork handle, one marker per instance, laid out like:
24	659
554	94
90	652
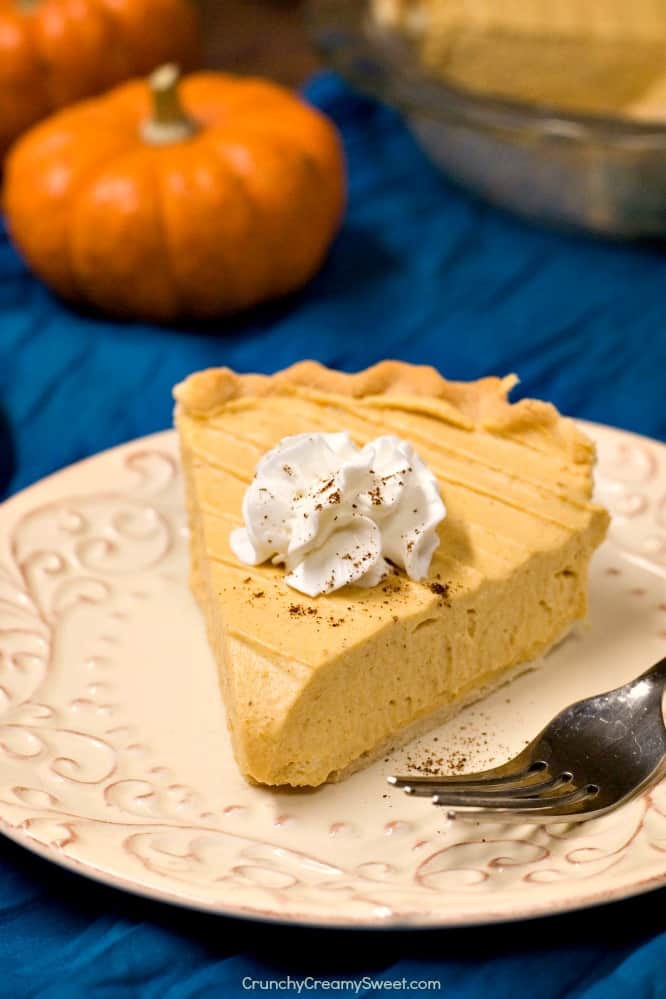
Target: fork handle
657	672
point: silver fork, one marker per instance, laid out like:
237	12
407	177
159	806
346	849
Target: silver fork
595	755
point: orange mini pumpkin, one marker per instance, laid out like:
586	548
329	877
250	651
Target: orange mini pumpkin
177	210
54	52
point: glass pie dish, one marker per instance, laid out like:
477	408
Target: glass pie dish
603	174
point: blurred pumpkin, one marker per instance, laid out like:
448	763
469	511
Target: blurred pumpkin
152	209
54	52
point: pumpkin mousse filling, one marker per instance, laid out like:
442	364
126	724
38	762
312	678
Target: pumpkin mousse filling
373	551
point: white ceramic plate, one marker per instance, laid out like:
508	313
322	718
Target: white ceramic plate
115	761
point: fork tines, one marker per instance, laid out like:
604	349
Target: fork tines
519	791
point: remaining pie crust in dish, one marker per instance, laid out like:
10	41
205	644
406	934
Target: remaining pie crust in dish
600	58
316	687
605	19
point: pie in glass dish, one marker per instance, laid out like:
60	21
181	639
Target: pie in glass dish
603	58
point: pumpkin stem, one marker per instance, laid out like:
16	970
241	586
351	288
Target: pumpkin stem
169	122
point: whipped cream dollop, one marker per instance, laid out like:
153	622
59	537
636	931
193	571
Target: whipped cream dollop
333	513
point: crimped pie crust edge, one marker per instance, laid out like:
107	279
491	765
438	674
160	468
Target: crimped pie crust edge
481	404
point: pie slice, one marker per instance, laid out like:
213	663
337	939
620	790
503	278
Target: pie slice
316	687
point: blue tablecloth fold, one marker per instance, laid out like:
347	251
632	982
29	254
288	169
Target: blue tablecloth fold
422	272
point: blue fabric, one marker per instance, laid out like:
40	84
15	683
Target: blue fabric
420	272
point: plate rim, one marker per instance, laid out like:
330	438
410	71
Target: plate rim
307	921
419	921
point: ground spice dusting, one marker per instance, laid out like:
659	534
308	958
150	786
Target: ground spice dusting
258	593
375	496
437	766
441	589
299	610
467	748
